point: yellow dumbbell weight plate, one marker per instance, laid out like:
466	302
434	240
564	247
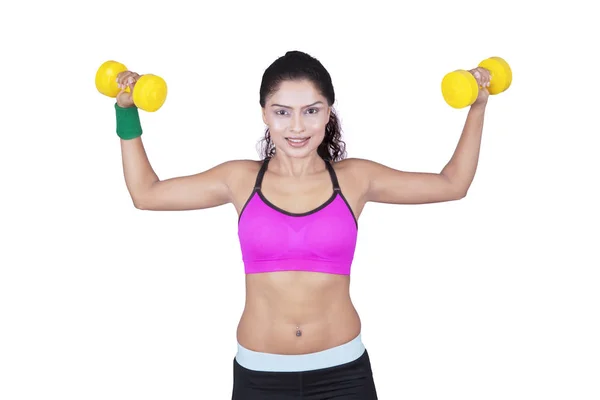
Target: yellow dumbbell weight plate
106	78
150	92
501	74
459	88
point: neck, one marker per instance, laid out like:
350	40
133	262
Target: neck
297	167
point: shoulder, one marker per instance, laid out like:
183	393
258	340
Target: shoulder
355	174
364	172
234	171
241	165
356	166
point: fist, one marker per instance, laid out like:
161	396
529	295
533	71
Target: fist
126	81
482	76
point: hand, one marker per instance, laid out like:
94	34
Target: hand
126	79
482	76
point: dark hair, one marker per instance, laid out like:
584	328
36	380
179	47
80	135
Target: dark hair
296	65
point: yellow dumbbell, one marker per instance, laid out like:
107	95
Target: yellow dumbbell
150	90
460	88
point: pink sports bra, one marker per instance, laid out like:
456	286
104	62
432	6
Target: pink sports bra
320	240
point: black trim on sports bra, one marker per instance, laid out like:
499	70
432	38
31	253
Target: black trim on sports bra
263	169
336	188
334	181
292	214
261	174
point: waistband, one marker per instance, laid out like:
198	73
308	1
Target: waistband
332	357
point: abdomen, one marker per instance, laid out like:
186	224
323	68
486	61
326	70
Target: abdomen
278	304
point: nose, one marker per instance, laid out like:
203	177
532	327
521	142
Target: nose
297	124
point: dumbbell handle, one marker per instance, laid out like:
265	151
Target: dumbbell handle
460	88
150	90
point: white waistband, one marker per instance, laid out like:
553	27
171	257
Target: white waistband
338	355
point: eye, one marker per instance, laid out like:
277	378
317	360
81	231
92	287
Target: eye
280	112
312	110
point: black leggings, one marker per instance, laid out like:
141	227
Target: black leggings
350	381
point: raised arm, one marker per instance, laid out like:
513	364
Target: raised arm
206	189
388	185
203	190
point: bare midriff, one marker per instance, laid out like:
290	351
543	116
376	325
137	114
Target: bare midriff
297	312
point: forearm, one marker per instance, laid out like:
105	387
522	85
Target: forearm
461	168
139	175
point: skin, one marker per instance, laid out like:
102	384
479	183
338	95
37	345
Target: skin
277	304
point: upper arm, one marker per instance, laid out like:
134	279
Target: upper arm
207	189
387	185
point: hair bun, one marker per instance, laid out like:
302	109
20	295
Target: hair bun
295	53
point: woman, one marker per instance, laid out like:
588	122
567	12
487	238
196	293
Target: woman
299	335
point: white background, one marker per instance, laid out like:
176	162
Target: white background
491	297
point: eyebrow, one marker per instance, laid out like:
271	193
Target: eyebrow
310	105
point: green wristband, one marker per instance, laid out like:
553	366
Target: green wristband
128	122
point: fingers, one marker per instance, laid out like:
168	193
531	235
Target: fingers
485	78
127	78
482	76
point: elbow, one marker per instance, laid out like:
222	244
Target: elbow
455	190
143	199
459	194
139	206
140	202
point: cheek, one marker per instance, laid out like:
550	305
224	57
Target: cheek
278	125
317	124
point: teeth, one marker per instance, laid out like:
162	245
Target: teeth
297	140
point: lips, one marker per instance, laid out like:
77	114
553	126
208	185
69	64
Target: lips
297	141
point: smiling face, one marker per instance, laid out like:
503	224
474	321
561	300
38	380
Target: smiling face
296	115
